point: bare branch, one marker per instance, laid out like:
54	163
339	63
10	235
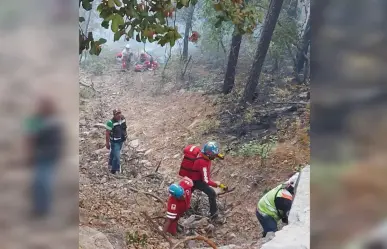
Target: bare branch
198	237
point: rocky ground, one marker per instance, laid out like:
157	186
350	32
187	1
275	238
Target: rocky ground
159	126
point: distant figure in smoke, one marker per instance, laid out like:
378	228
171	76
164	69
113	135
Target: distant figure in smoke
44	141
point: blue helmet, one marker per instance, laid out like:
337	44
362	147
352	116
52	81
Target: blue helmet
176	190
211	149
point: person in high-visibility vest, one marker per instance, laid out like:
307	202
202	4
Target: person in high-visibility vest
275	205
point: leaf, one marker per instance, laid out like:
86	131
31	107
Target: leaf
111	3
117	20
159	29
105	24
160	17
86	5
117	36
102	41
172	42
100	7
81	19
163	41
118	3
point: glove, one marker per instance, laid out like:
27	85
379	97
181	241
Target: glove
223	187
220	156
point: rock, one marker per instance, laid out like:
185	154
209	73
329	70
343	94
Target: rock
134	143
146	163
82	122
148	151
103	180
231	236
90	238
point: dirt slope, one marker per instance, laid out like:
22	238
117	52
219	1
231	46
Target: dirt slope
160	127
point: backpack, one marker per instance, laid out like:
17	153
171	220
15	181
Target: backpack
191	153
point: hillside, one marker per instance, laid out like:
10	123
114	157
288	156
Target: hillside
263	144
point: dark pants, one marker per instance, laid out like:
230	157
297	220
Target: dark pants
210	192
267	222
114	158
42	187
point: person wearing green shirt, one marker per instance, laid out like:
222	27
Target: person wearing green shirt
115	136
275	205
44	142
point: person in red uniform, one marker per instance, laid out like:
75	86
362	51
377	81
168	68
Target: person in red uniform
178	203
201	175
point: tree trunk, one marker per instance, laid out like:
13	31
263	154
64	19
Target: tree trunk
229	79
188	26
303	48
263	46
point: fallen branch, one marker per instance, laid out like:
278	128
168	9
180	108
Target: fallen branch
158	165
198	237
149	194
155	227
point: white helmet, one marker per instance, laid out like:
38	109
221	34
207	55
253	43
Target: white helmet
292	180
127	46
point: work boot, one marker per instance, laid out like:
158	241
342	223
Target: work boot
218	219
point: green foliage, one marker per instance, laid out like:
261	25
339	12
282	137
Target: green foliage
284	35
148	21
257	148
136	239
249	114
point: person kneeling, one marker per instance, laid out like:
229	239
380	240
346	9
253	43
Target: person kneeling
178	203
275	205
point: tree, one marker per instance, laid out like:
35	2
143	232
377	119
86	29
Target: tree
236	40
148	20
303	47
263	46
188	26
229	79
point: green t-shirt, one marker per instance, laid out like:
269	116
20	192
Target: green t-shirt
109	125
33	125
